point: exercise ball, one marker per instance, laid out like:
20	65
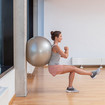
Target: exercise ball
38	51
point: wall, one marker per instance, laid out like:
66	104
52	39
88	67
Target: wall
82	23
38	17
8	80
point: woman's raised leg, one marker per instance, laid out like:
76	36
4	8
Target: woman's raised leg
69	68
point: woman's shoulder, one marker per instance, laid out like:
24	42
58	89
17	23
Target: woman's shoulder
55	46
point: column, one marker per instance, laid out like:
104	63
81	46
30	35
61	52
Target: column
20	38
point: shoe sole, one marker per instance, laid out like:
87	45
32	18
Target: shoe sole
97	74
98	71
72	91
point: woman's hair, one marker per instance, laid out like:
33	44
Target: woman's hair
55	34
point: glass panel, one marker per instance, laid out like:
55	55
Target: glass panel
0	39
29	19
6	35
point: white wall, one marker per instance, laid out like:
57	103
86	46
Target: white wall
38	14
8	81
30	68
82	23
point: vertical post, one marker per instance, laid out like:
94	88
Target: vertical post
38	14
35	17
20	39
40	17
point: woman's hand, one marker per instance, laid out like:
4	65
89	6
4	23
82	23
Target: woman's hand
62	53
66	48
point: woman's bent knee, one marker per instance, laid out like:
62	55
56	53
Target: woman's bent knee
73	72
69	68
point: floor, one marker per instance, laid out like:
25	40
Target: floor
44	89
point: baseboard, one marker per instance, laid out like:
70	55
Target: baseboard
11	101
89	66
85	66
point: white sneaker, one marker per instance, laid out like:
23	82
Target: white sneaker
72	90
94	73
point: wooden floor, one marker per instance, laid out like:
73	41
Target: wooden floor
43	89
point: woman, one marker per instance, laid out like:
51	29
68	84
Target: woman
55	68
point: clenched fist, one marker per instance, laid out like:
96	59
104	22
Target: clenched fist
66	48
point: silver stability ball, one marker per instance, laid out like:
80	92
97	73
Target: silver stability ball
38	51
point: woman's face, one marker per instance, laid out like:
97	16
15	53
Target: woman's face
59	38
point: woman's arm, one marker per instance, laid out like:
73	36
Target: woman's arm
63	54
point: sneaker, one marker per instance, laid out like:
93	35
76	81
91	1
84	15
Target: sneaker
72	90
94	73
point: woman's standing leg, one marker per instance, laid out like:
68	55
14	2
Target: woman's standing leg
70	86
71	78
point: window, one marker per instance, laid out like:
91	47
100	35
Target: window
29	19
6	35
